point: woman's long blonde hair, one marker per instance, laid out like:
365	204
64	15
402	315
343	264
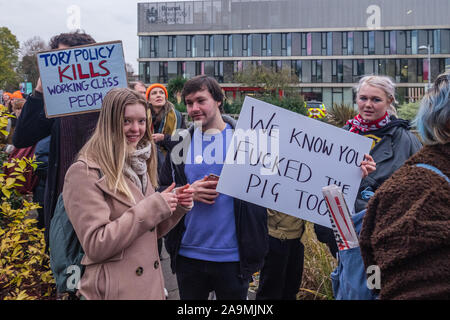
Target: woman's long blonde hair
108	145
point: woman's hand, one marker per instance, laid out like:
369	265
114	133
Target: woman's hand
170	197
185	195
368	165
205	191
157	137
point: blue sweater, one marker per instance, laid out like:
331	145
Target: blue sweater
210	229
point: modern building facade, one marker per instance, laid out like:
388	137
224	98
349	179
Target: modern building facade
326	44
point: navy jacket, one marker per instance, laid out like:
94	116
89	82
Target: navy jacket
251	219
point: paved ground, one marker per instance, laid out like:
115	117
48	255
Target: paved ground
171	280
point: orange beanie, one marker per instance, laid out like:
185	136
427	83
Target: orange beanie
153	86
16	95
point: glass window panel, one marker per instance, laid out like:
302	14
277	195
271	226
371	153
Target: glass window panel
237	45
368	66
412	70
189	71
390	68
337	43
371	35
154	72
181	46
296	44
401	42
172	69
414	42
228	67
350	43
379	42
276	44
256	44
348	74
306	71
309	44
393	42
163	43
404	70
316	38
329	43
326	70
144	47
437	41
218	45
445	41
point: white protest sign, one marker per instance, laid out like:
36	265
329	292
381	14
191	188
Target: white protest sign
75	80
280	160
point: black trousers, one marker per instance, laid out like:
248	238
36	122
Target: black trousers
196	278
281	275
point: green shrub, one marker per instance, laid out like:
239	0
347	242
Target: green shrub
408	111
24	266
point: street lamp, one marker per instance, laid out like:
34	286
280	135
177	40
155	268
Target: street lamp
428	48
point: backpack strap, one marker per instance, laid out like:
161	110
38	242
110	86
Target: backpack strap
434	169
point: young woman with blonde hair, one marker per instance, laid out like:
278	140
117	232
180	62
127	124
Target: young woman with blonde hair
109	195
392	141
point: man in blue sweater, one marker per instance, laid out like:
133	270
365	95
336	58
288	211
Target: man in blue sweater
222	241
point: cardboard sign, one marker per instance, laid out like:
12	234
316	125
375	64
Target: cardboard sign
281	160
75	80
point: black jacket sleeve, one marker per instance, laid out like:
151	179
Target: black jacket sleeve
32	125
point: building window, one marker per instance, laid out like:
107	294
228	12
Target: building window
387	42
344	43
304	44
264	44
209	46
316	71
371	42
437	41
226	45
329	43
172	49
414	42
350	43
337	71
309	43
153	47
392	42
286	44
247	45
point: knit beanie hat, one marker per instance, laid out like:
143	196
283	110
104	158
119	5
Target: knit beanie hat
153	86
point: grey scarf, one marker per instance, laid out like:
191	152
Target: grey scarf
136	165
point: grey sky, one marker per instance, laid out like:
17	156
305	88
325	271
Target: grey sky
104	20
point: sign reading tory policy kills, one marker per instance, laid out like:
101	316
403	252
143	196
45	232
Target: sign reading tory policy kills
75	80
280	160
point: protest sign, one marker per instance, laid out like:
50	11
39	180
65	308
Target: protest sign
280	160
75	80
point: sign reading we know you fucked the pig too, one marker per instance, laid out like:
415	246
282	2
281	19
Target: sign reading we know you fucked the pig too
75	80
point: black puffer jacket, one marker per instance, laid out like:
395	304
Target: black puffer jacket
251	219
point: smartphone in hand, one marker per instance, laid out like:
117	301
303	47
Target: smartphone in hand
212	177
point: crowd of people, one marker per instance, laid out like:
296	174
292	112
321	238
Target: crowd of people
125	190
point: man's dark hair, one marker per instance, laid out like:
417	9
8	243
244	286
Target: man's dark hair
203	82
71	39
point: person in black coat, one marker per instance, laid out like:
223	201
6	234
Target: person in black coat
68	134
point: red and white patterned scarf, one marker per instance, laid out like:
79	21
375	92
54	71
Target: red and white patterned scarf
359	125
